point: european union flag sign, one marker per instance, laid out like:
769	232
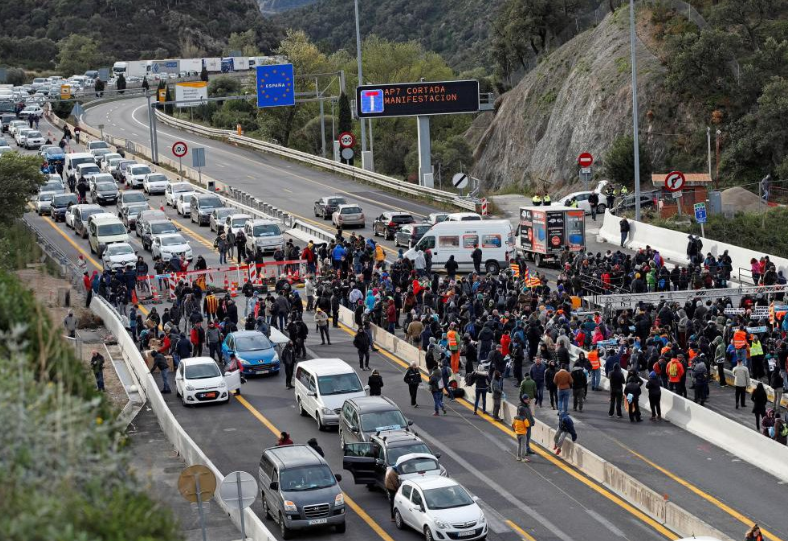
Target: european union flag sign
275	86
372	101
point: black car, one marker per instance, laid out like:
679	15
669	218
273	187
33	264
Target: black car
104	193
6	119
130	213
202	206
386	224
647	201
155	228
325	206
409	234
60	204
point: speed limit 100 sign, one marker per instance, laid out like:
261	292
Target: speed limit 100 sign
180	149
347	140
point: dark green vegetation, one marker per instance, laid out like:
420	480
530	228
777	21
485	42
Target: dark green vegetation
620	161
96	33
457	30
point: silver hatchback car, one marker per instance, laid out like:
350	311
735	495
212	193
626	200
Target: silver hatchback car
347	215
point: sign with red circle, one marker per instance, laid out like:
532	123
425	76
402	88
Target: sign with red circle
585	159
179	149
674	181
347	140
555	240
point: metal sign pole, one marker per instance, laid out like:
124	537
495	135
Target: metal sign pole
199	507
240	498
180	167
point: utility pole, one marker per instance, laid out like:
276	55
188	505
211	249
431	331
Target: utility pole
636	139
708	142
360	78
717	172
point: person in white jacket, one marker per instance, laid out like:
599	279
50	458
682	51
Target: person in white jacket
741	381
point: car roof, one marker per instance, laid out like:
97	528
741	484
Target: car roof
373	403
105	217
191	361
294	456
321	367
240	334
435	481
81	165
238	215
398	438
151	222
348	205
170	235
73	155
260	221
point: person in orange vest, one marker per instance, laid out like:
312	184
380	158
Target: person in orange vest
596	373
675	372
740	343
454	348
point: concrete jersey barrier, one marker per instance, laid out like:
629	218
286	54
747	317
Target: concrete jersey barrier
600	470
183	443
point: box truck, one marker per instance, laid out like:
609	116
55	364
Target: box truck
191	66
135	68
213	65
544	232
235	63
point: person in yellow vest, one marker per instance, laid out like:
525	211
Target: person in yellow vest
756	358
537	200
573	203
624	191
546	200
380	256
454	348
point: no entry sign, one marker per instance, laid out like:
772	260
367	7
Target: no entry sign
585	159
179	149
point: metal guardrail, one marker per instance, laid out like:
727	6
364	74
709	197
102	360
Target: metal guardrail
353	172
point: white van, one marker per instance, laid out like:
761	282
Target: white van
322	386
263	234
494	237
74	159
105	229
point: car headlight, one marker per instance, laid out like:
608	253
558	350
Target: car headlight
244	362
290	507
326	411
222	385
189	388
339	499
441	525
482	519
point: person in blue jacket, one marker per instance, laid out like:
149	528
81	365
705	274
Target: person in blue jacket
566	426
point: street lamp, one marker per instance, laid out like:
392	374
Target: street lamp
360	78
636	150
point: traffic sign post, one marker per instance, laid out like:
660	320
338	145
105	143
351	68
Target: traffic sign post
700	216
460	181
179	149
197	484
346	140
239	491
198	161
585	161
674	181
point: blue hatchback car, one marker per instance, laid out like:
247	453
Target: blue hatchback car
255	351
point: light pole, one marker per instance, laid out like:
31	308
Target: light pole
360	78
632	42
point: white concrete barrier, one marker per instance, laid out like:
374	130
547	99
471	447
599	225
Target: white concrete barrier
673	244
600	470
186	447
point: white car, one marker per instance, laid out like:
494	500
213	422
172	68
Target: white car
73	209
235	222
98	178
135	175
21	136
198	380
173	245
34	110
15	125
439	508
437	217
183	204
99	154
93	145
106	158
118	255
44	203
34	139
582	201
175	189
155	183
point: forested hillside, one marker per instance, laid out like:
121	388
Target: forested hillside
32	32
458	30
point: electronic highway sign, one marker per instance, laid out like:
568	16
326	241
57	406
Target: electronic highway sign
417	99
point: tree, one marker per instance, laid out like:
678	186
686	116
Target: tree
345	116
78	54
454	155
204	74
224	86
699	64
15	76
20	178
619	161
246	42
120	84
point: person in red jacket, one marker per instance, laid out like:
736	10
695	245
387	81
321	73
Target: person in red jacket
197	338
88	288
675	371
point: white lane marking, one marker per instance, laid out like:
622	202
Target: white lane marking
606	523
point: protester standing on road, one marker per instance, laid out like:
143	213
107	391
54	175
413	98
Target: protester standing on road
391	482
654	395
624	228
479	380
476	257
70	323
593	201
520	426
375	383
579	386
413	380
160	363
524	411
496	386
777	383
563	382
759	399
741	381
537	373
97	365
240	245
632	392
617	381
321	320
288	360
361	343
436	388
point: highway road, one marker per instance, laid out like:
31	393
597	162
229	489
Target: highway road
688	470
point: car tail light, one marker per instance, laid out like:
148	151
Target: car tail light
392	224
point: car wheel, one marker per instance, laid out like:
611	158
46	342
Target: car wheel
492	267
286	532
320	426
301	410
398	520
340	528
266	510
428	534
184	402
374	231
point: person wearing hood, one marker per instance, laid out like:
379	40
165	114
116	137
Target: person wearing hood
654	388
617	380
700	376
718	345
314	445
759	400
632	392
566	426
579	386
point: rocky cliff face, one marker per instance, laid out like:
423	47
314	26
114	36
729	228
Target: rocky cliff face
578	99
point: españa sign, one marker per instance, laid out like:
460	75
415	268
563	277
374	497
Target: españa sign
275	86
417	99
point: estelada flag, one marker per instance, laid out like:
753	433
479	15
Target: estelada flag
200	282
515	269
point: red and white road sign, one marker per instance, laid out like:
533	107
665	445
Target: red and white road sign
347	140
180	149
484	206
674	181
585	159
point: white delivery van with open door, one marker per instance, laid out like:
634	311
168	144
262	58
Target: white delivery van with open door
458	239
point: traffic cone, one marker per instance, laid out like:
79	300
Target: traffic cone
233	289
155	299
134	299
226	283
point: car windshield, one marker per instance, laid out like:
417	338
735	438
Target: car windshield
173	240
157	177
110	230
34	134
396	452
98	144
158	229
106	187
202	371
135	210
133	197
419	465
89	169
87	213
421	229
339	384
256	342
119	249
51	186
64	199
306	478
140	170
334	201
447	497
266	230
383	420
222	212
351	210
239	222
210	202
46	196
76	161
181	188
